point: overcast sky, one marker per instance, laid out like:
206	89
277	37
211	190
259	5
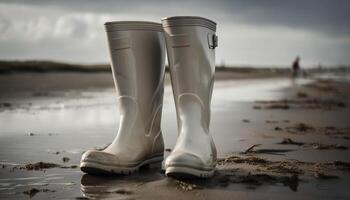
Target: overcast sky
251	32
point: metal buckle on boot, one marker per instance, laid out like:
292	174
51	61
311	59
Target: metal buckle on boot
212	41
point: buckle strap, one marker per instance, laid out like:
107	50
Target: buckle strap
212	41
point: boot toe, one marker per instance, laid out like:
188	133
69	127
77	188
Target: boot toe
99	157
186	159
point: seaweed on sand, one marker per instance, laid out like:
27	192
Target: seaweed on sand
319	146
252	160
42	166
252	150
33	191
290	142
39	166
305	103
281	166
258	179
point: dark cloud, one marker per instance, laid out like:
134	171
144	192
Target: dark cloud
258	32
324	16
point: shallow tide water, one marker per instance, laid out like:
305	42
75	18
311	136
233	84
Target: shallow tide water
65	124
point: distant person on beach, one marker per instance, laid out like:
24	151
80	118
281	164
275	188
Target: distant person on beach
296	67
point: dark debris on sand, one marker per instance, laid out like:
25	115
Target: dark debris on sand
301	128
277	128
282	106
65	159
254	171
39	166
293	167
259	179
271	166
42	166
271	121
317	146
331	130
252	150
256	179
252	160
323	104
323	176
284	168
257	107
302	94
5	105
290	142
341	165
320	146
33	191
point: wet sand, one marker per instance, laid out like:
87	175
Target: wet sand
298	131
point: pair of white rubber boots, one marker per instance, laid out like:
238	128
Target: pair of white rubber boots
137	51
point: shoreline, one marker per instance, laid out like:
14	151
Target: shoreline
62	81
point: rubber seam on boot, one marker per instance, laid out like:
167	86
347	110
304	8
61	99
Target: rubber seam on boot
155	140
159	109
149	132
180	40
158	91
134	100
121	43
153	118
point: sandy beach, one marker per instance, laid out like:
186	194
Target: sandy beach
277	138
255	104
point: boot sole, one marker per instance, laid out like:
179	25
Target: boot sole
98	168
188	172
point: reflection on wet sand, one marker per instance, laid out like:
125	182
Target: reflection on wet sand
117	186
297	152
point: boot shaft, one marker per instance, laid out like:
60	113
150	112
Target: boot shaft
190	45
137	51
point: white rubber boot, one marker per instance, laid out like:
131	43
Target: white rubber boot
190	44
137	52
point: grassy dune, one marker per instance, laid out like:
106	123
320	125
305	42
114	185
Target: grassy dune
51	66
